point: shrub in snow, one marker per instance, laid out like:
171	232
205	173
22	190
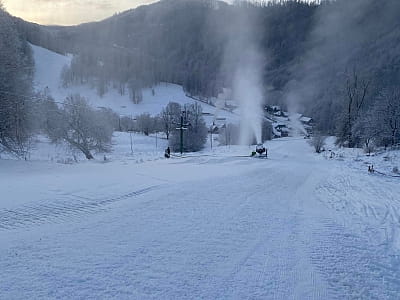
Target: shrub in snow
396	170
318	142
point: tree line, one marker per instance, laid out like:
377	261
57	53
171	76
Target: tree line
182	42
336	61
16	75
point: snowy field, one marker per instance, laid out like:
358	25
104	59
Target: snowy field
48	67
214	225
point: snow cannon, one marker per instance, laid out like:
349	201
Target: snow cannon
260	149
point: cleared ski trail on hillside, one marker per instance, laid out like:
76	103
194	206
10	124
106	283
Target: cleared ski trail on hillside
268	229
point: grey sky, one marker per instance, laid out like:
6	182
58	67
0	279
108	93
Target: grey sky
68	12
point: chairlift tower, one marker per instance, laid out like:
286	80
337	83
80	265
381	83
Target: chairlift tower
182	126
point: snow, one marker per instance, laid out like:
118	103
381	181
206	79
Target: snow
276	132
356	158
214	225
295	116
305	119
48	77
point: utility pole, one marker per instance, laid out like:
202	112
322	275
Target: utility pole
211	133
182	127
130	133
227	141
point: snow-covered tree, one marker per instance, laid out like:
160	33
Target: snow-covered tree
355	98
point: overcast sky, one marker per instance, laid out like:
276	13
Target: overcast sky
68	12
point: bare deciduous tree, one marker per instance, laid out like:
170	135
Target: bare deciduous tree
146	124
355	98
387	111
169	117
81	127
365	131
135	90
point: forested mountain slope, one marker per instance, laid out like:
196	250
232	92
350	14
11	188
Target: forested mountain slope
314	56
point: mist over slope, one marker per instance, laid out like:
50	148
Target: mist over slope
181	42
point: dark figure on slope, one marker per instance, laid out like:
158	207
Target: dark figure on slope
167	153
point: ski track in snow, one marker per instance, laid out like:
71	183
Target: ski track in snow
71	206
290	227
366	229
355	266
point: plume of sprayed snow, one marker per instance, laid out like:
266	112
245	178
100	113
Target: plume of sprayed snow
293	105
248	93
245	61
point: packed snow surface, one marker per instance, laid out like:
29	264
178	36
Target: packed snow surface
211	225
214	225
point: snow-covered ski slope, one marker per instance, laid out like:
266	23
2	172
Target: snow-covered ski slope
48	67
144	148
220	226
